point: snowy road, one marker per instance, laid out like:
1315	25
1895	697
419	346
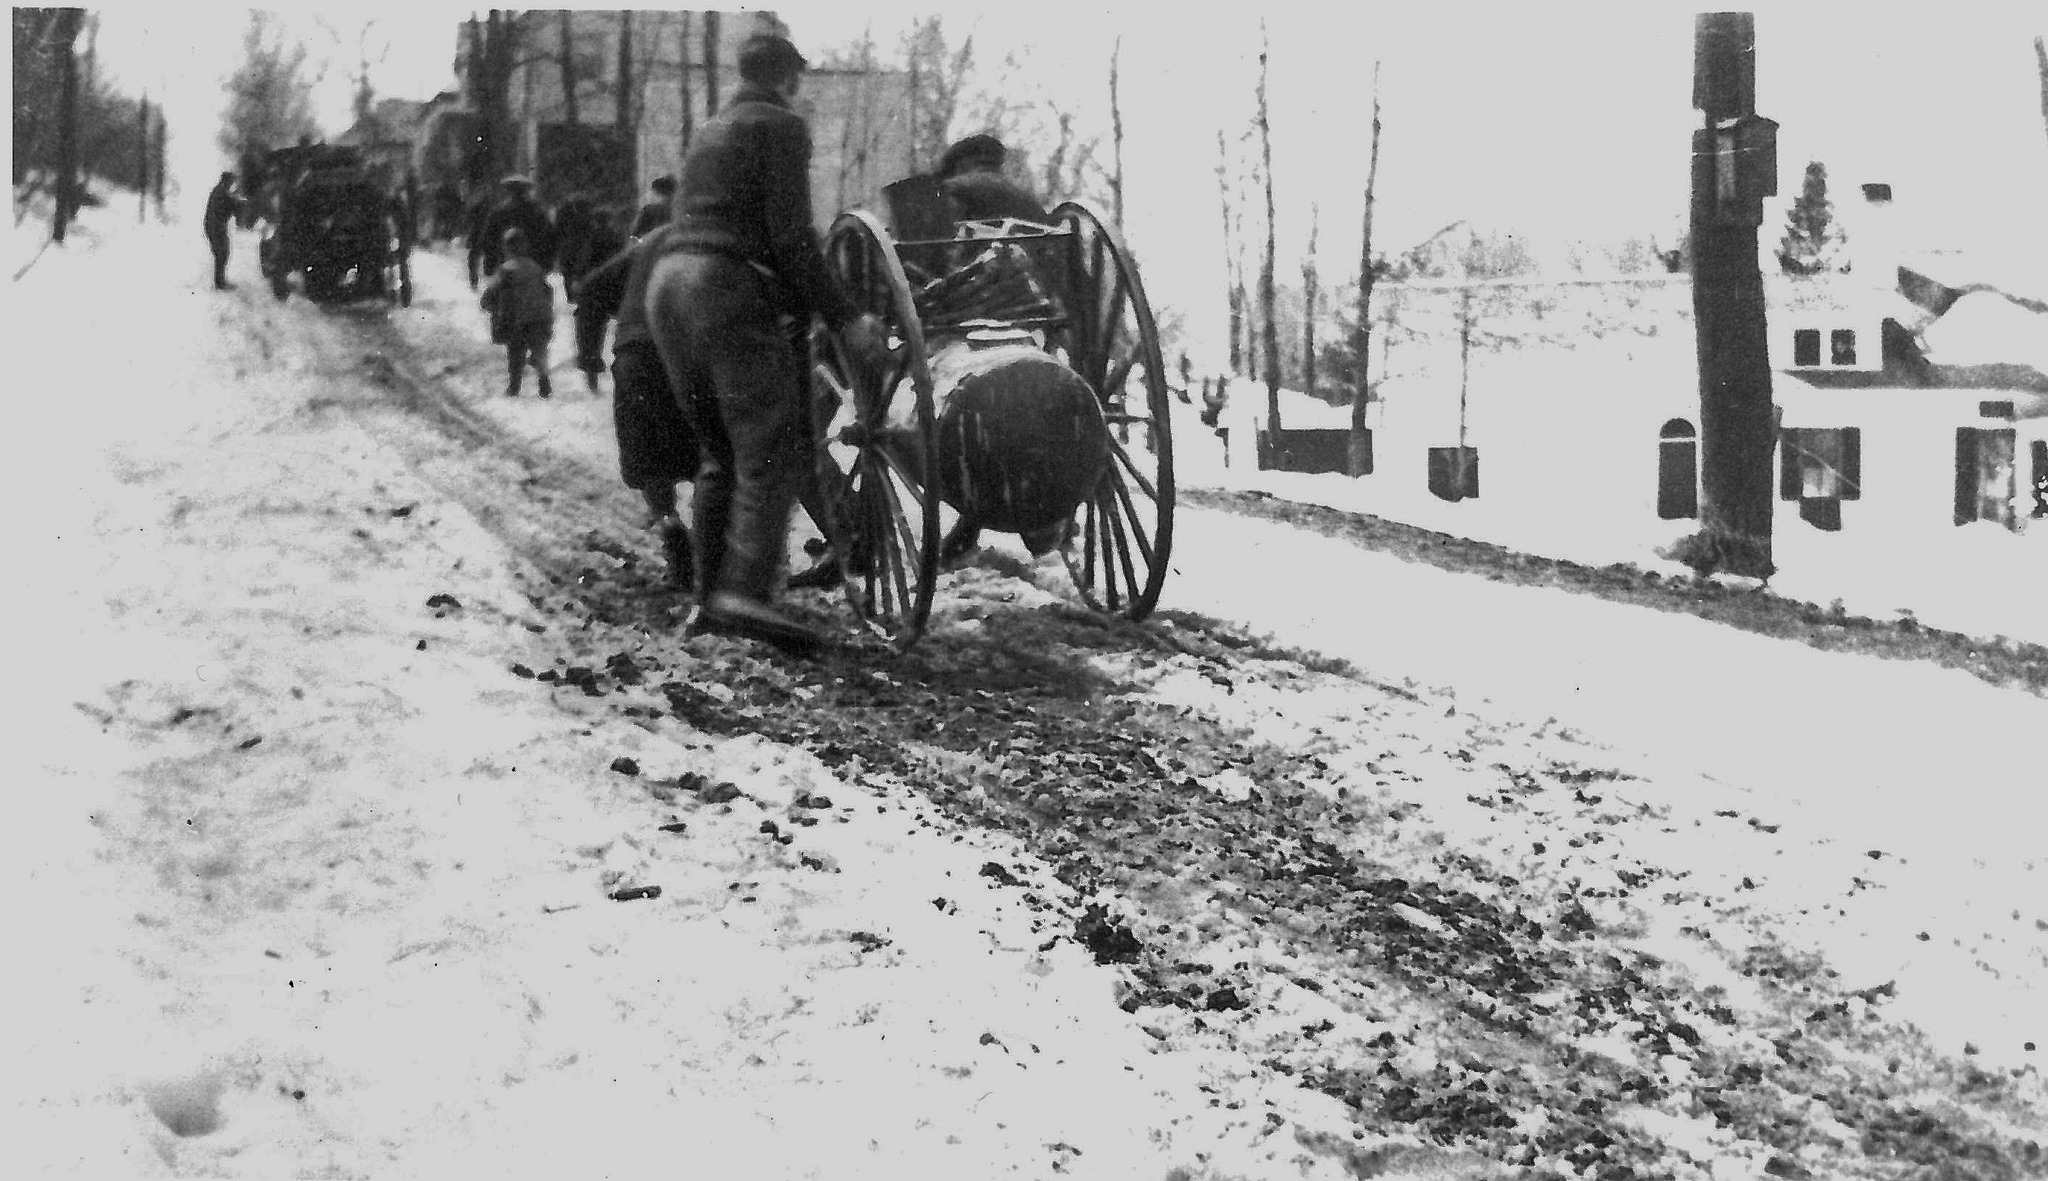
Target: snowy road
1944	774
336	902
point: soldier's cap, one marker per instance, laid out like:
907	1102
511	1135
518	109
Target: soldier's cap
980	149
765	55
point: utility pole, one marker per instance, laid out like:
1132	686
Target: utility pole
1734	167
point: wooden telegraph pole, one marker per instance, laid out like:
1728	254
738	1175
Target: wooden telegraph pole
1734	167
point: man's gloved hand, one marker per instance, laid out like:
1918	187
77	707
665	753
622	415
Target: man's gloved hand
867	337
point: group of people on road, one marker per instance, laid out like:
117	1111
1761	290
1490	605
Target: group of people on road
714	286
711	294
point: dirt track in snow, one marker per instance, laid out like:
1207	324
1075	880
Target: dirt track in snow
1238	825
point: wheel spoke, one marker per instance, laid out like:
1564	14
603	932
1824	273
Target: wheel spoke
1124	457
1088	531
1111	307
1123	548
1123	496
1112	385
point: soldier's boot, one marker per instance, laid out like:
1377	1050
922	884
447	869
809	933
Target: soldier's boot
679	569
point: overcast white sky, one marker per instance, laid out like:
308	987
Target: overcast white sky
1553	120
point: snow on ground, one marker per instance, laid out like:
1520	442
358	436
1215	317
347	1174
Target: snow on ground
308	885
312	886
1981	580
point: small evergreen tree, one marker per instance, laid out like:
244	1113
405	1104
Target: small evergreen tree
1812	241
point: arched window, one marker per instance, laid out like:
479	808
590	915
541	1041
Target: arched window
1678	483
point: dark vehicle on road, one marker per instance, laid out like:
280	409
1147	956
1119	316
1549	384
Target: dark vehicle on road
337	224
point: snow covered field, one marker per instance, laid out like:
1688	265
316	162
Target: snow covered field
310	884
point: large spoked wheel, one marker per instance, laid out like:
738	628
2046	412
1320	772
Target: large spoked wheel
873	430
1123	533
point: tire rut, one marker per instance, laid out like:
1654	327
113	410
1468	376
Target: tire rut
1458	994
559	516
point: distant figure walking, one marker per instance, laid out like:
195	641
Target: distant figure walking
656	211
221	207
521	304
518	211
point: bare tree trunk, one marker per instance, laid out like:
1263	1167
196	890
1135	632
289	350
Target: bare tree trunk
1268	295
91	67
142	159
710	64
567	59
163	132
1116	131
1056	161
624	118
856	134
1459	464
2041	56
1361	329
1309	295
68	21
493	58
1233	288
683	77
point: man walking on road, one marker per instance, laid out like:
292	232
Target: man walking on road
658	207
741	257
518	211
221	207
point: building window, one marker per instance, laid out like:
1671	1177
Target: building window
1984	475
1842	346
1806	346
1454	472
1678	487
1820	463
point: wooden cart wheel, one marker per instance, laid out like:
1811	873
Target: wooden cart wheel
872	430
1123	534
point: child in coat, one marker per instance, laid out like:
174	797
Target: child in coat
521	304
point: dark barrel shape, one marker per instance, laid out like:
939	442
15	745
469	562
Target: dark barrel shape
1020	436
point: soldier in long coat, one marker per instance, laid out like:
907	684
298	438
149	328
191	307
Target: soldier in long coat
742	258
221	207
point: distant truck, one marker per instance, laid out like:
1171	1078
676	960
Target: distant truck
336	223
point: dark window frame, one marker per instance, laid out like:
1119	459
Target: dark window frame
1803	450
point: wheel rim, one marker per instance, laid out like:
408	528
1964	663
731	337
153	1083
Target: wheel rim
1122	535
873	430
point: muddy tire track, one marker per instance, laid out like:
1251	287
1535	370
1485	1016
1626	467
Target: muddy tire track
1464	1005
563	519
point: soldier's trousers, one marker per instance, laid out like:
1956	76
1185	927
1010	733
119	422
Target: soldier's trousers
217	241
716	326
